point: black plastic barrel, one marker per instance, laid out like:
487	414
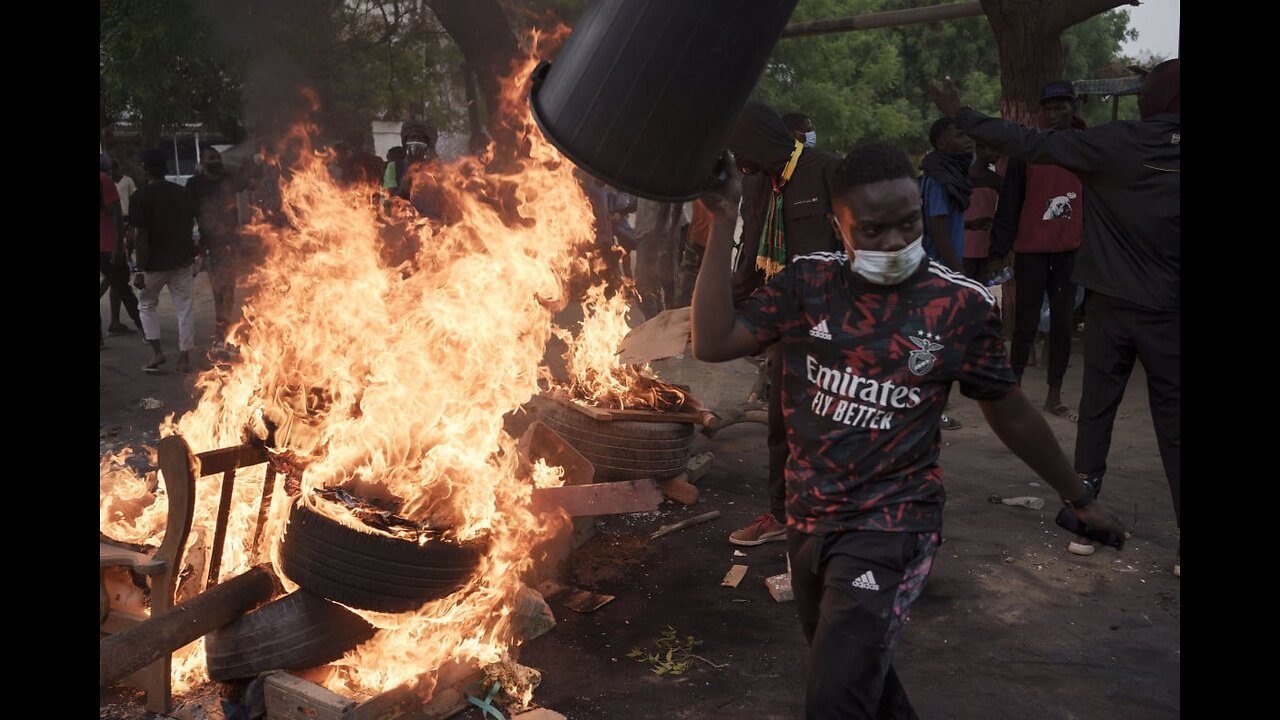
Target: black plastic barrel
644	92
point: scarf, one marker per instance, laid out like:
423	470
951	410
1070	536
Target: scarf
772	255
951	172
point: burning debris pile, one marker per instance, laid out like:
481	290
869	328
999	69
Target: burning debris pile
384	386
596	375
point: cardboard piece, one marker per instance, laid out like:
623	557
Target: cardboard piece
734	576
576	599
662	336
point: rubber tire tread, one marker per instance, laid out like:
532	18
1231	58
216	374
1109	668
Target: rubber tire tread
372	572
297	631
623	450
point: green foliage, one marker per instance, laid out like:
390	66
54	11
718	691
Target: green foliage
673	654
161	64
873	84
1091	45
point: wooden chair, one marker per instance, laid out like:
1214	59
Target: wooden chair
179	469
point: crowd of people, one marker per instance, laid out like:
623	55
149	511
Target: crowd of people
158	234
876	301
866	282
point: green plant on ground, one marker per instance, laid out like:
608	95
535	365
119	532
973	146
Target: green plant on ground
674	654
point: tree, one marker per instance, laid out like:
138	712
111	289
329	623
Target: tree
1029	37
849	83
873	84
161	66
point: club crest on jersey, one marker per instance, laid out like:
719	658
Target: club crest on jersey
921	361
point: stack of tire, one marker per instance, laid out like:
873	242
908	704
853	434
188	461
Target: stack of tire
620	449
333	563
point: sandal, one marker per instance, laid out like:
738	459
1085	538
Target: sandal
1063	411
153	367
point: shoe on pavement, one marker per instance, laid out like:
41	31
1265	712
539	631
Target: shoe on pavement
765	528
119	329
1081	546
950	423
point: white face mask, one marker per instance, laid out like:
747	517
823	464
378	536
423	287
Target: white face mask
811	138
889	268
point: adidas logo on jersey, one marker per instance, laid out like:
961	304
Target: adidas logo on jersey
866	581
820	330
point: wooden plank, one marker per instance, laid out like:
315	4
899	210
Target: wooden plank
213	462
734	576
142	644
220	528
403	703
690	522
600	498
292	698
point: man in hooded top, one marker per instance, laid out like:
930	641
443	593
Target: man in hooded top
1130	260
945	188
786	213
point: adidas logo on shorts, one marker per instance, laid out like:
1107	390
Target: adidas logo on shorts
866	581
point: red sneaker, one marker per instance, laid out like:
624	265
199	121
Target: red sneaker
765	528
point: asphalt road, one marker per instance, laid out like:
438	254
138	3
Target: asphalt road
1009	626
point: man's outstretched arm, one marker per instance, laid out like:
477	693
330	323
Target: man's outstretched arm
1022	429
715	330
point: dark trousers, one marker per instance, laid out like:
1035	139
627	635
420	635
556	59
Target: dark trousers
1115	335
853	592
976	268
687	272
223	273
1036	274
121	292
776	482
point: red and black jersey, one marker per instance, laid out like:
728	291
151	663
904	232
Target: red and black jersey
866	371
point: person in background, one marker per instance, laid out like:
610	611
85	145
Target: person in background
162	215
1130	262
801	127
983	201
945	188
112	260
786	210
213	194
1041	219
864	487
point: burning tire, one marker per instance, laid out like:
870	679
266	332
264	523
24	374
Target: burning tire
372	572
622	450
294	632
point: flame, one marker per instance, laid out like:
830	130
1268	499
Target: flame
132	510
383	361
596	376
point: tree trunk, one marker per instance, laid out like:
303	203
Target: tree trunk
482	32
1029	39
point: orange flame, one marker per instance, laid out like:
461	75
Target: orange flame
596	376
392	383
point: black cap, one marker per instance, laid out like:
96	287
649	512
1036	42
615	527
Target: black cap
1058	90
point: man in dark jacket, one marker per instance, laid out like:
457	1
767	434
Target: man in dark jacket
213	194
1041	217
1130	260
786	213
